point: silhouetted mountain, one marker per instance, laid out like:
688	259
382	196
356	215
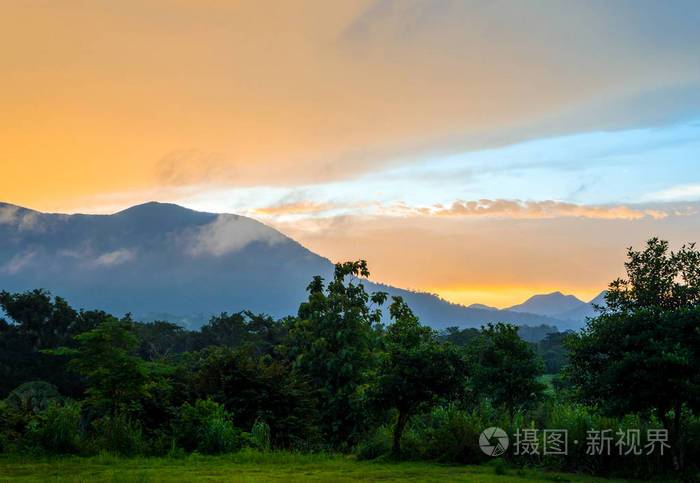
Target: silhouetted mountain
481	306
156	259
581	313
551	305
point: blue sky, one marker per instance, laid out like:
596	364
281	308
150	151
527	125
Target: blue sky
481	149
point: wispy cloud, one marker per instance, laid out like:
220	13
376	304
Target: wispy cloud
230	233
683	192
23	220
294	208
535	209
116	257
18	262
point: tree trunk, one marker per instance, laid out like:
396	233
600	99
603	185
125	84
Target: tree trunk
676	438
673	426
401	420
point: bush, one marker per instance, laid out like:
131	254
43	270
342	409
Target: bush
8	427
57	428
260	436
206	427
377	444
119	434
33	397
445	434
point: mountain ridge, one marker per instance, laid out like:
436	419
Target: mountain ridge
162	258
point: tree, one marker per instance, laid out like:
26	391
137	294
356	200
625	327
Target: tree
332	343
642	354
504	368
36	322
657	279
253	388
415	368
553	351
106	356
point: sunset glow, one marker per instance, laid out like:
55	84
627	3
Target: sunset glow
457	151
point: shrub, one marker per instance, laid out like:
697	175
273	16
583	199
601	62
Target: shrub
206	427
377	444
33	397
260	435
57	428
119	434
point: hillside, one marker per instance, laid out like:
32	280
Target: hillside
164	261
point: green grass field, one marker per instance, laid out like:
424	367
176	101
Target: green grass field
253	467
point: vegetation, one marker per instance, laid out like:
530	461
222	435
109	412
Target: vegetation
342	380
253	466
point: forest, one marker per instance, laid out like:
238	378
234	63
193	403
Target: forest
356	373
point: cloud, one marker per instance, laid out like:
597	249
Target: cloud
18	262
230	233
682	192
480	253
314	91
538	210
294	208
23	220
113	258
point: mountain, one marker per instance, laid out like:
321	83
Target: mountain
581	313
551	304
563	307
164	261
481	306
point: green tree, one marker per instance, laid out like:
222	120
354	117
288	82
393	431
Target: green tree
254	388
657	278
415	369
106	356
504	368
332	343
38	321
642	354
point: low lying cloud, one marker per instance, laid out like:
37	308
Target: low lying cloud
230	233
116	257
22	219
18	262
519	209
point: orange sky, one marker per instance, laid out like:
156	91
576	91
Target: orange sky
106	104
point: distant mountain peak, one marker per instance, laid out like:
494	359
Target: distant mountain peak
163	258
552	304
154	207
481	307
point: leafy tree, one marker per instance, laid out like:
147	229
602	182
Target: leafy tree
254	388
159	340
332	343
504	368
553	351
657	278
106	356
415	368
643	353
44	322
234	330
459	337
36	322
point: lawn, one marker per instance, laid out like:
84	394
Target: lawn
254	467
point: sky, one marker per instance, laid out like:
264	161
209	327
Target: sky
481	150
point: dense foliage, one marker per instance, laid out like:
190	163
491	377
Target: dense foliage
342	375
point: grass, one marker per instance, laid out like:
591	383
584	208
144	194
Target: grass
250	466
